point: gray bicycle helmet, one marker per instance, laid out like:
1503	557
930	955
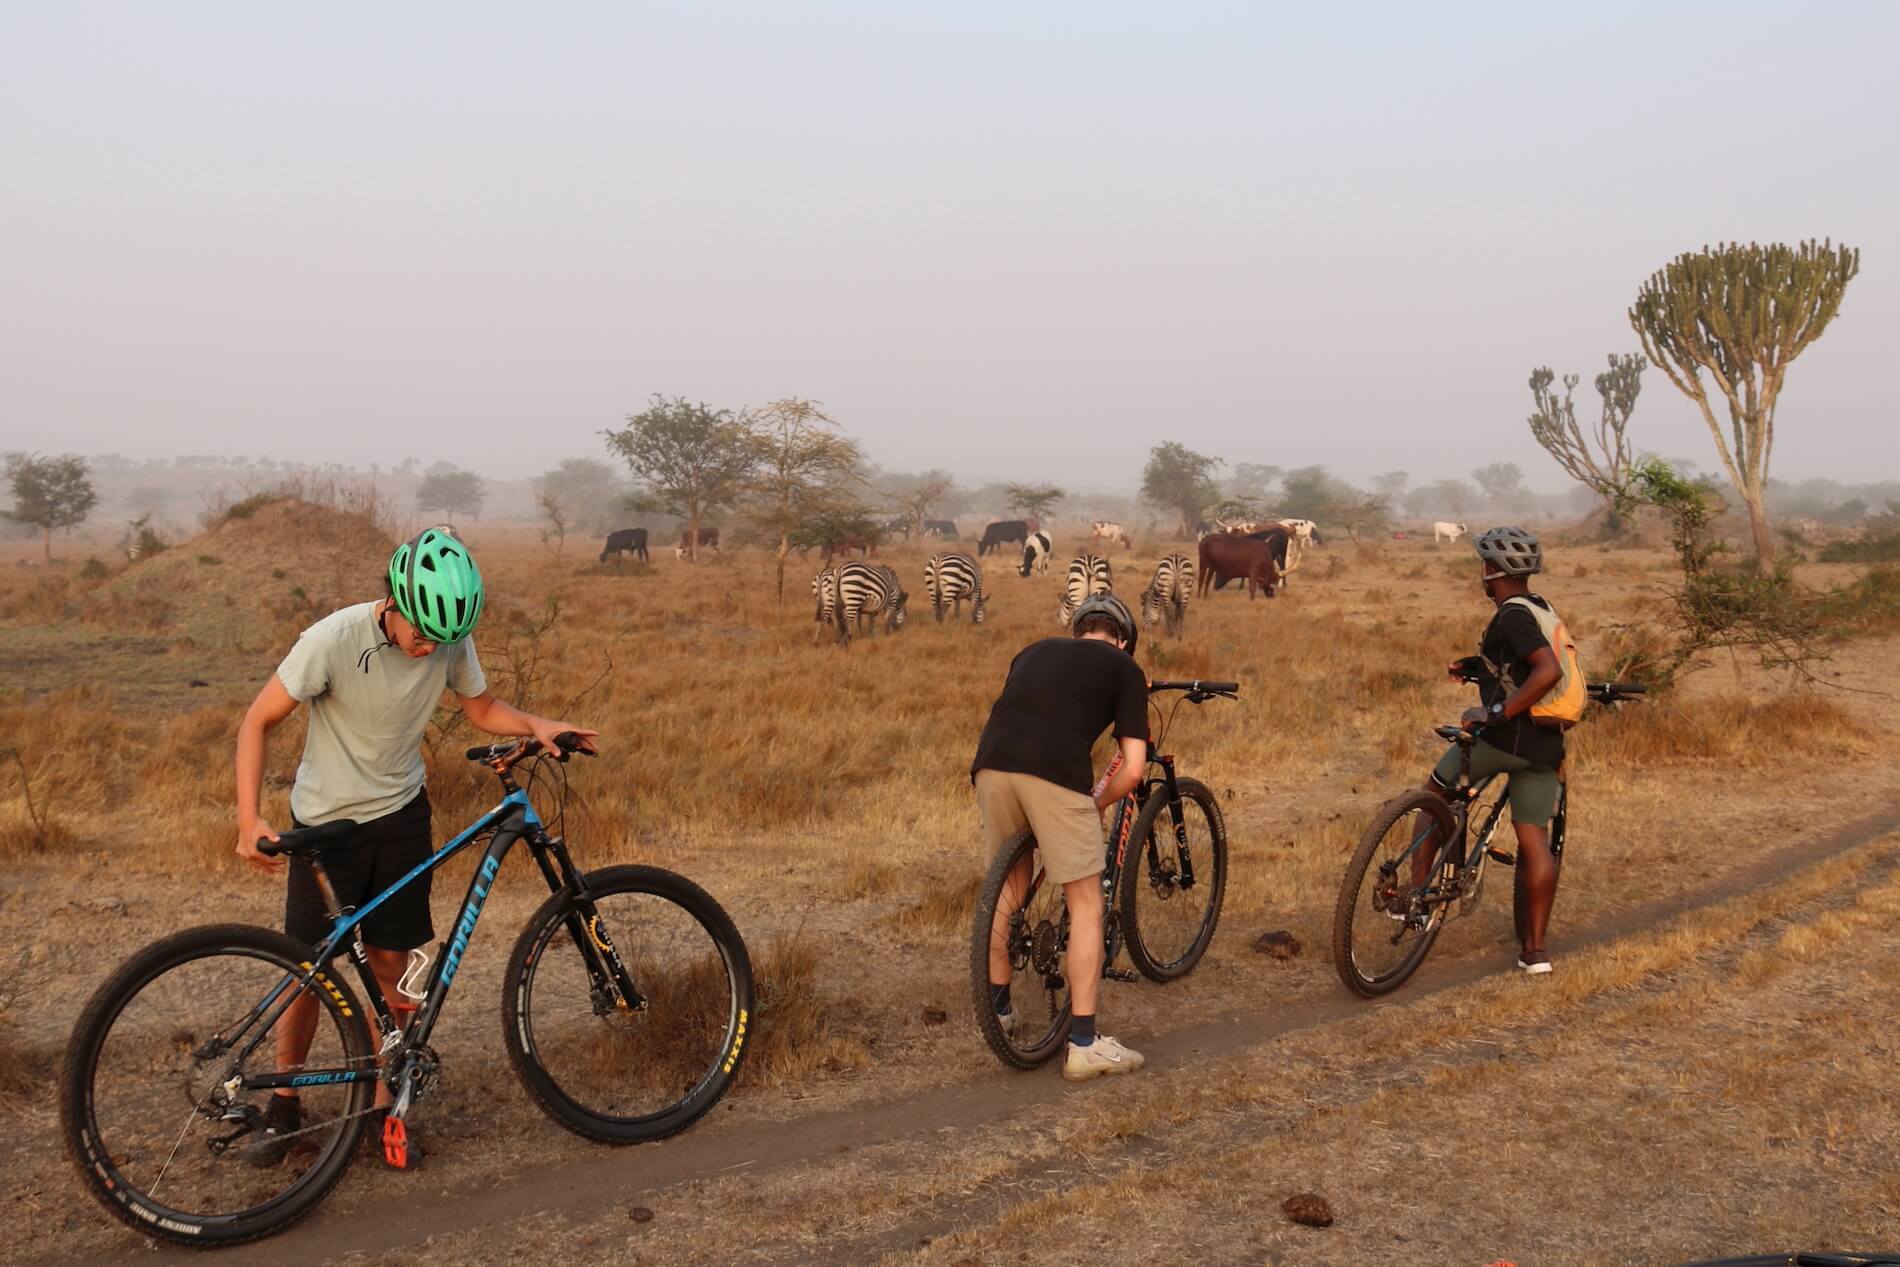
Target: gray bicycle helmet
1511	551
1106	604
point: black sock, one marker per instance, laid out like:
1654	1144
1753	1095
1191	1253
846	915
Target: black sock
1082	1030
999	999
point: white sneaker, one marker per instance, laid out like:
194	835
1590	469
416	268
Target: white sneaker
1104	1055
1009	1022
1533	963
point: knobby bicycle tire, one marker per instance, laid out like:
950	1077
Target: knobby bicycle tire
1040	1048
93	1155
1347	910
1136	884
517	1007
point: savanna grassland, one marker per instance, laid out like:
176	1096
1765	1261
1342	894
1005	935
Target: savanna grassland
1704	1072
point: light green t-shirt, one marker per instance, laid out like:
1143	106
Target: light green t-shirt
362	753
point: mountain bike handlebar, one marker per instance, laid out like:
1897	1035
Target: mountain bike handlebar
1198	687
520	749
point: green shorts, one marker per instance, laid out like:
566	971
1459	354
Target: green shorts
1532	789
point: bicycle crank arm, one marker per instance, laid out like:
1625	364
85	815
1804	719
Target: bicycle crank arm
1119	974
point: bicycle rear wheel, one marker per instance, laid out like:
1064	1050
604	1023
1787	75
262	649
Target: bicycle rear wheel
1382	926
144	1106
1021	912
597	1067
1172	900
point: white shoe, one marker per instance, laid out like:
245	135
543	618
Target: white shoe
1533	963
1104	1055
1009	1022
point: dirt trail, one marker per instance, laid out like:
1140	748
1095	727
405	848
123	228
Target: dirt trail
729	1146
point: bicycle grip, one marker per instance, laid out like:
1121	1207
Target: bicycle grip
306	839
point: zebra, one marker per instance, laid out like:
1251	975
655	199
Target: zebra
1036	553
1088	574
867	589
824	593
951	578
1166	597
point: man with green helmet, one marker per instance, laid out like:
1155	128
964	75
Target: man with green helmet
373	675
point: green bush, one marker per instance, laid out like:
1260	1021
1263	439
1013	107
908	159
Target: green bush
1882	547
94	570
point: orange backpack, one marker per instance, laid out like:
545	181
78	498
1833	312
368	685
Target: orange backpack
1562	706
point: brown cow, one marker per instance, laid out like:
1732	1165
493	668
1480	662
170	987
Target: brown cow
1225	555
708	537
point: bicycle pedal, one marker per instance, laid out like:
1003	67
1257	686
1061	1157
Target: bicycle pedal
1119	974
396	1143
1498	856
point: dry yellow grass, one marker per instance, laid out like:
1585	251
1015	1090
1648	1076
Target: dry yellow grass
822	794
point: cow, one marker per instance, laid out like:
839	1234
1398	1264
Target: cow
1036	553
1225	555
1001	533
940	529
1105	530
708	537
624	540
1300	533
1442	531
1278	544
863	546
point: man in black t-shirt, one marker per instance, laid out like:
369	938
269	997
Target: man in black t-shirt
1032	773
1508	740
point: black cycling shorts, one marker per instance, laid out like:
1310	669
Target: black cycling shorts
373	857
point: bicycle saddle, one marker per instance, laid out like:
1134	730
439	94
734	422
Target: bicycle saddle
307	842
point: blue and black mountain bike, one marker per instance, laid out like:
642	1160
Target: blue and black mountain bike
624	1010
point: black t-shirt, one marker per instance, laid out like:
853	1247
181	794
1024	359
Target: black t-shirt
1509	640
1060	695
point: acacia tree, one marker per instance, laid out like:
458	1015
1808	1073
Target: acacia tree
1604	469
590	491
1033	499
49	493
804	471
451	490
918	495
1501	481
1180	480
690	460
1741	314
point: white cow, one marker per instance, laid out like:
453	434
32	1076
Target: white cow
1442	531
1104	530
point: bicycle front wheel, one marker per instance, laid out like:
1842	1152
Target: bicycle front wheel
1384	924
1021	920
146	1103
1172	900
603	1069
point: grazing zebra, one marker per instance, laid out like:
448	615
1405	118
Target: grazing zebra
1088	574
867	589
951	578
824	593
1166	597
1036	553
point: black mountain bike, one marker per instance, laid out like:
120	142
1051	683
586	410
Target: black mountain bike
624	1011
1385	924
1167	915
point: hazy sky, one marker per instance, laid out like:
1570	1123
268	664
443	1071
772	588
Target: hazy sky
1022	240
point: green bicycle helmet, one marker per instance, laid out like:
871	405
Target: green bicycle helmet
1511	551
1106	604
436	585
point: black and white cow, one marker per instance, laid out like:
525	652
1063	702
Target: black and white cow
1088	574
1166	598
1001	533
626	540
951	578
1036	553
940	529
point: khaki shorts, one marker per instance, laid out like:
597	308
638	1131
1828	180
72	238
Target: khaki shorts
1066	824
1532	788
